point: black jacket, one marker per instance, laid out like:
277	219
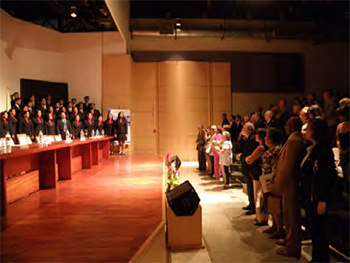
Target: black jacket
99	127
37	126
26	127
318	175
109	128
121	127
76	128
13	125
60	128
50	129
4	128
89	127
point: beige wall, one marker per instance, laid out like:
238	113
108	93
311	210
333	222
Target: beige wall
168	100
34	52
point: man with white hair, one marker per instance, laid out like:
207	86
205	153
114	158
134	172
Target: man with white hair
248	147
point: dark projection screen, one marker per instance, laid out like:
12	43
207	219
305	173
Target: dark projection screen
41	89
262	72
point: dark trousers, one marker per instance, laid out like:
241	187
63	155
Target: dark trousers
250	190
320	242
227	174
212	165
291	216
201	160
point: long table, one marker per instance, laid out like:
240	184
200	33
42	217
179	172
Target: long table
54	162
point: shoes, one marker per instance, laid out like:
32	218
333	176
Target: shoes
226	186
264	223
270	230
246	207
281	242
283	252
250	212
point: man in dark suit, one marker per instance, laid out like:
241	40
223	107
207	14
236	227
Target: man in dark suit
14	96
63	125
17	106
224	120
86	104
42	107
96	111
248	146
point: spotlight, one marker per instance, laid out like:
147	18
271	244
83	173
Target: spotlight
73	11
178	24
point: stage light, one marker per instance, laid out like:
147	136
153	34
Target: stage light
73	11
178	24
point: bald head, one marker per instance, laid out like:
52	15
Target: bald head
293	124
268	115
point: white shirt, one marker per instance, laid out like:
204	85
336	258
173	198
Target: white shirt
226	154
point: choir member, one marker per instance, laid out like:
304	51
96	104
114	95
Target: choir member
99	124
63	125
109	126
17	107
26	125
13	123
77	126
122	131
50	127
5	123
42	106
38	123
96	112
86	105
89	125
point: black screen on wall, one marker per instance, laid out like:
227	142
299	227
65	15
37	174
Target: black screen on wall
267	72
41	89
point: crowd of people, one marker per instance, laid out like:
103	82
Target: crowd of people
287	159
65	118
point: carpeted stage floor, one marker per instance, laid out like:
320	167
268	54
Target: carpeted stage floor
101	215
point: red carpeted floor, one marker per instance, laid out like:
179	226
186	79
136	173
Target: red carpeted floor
101	215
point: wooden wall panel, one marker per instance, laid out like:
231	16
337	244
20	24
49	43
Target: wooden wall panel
168	100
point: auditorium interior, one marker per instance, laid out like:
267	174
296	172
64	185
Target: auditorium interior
174	131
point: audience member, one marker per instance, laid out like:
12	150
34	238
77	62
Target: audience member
317	176
330	114
200	148
254	162
225	150
286	185
248	146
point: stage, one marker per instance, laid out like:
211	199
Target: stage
101	215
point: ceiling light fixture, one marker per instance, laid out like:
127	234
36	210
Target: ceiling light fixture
73	11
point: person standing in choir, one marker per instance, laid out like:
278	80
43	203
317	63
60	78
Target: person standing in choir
89	125
4	124
109	128
99	124
122	132
13	124
63	125
50	127
26	125
77	126
38	123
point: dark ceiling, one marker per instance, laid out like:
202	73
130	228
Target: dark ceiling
92	15
298	19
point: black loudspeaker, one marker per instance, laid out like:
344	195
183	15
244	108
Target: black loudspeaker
177	161
183	199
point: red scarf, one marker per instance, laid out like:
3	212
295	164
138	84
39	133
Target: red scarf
99	123
5	121
77	122
50	122
120	120
14	117
110	121
90	121
27	120
39	120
